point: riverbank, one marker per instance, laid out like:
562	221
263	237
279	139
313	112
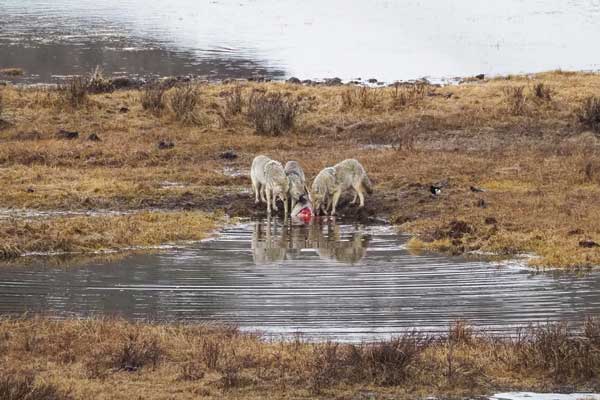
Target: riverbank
114	359
516	157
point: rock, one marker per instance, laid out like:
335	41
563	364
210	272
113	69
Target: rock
69	135
480	76
123	110
94	138
228	155
30	190
307	82
476	189
588	244
435	190
372	80
165	144
294	80
490	221
481	203
332	81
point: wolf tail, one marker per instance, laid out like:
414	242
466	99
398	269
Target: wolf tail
366	182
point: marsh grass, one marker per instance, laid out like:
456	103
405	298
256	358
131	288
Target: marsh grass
532	166
589	113
74	92
234	101
514	97
92	234
403	95
461	362
23	386
153	98
97	83
13	72
271	114
184	102
542	91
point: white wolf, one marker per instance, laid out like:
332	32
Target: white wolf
277	184
257	174
298	189
331	182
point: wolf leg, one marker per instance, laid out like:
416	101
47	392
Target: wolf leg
336	198
256	189
268	201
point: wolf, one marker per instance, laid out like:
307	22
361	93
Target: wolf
277	184
331	182
298	189
257	174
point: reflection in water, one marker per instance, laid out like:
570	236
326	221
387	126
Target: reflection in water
273	241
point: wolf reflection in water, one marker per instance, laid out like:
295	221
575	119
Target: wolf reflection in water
273	241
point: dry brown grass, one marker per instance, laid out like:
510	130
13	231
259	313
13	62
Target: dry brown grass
11	71
101	233
115	359
538	166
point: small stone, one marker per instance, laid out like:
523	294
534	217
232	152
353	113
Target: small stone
372	80
480	76
481	203
490	221
123	110
30	190
94	138
476	189
588	244
165	144
69	135
228	155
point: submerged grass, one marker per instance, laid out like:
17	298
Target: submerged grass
107	358
533	153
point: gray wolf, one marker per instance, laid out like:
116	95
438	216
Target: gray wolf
298	189
277	184
332	182
257	174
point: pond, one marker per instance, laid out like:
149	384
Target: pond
387	40
326	280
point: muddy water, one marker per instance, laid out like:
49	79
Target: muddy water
329	280
384	39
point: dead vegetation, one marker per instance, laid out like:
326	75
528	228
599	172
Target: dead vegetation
589	114
96	233
271	113
184	101
533	157
12	72
153	98
125	360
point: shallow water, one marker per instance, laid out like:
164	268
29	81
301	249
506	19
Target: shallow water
388	40
328	281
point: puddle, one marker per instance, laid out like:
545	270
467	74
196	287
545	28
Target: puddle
328	280
545	396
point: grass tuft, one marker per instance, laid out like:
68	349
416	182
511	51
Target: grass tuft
271	114
153	98
23	386
184	101
589	113
74	91
514	97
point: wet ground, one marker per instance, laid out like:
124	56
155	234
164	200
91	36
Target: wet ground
327	280
221	39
